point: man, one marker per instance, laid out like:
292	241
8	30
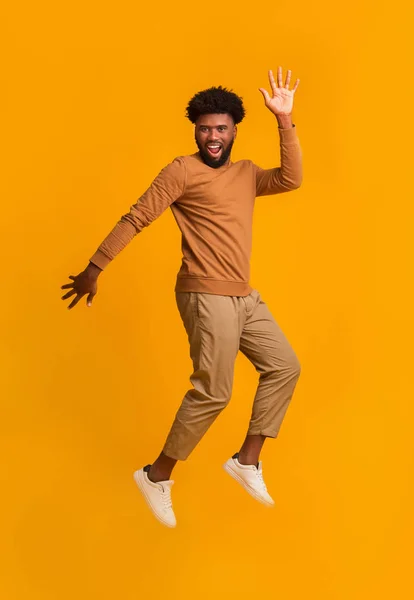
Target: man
212	200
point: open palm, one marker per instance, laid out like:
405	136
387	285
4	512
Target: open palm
281	102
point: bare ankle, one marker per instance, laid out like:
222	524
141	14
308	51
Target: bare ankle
247	460
161	469
156	476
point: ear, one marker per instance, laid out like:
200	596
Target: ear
235	131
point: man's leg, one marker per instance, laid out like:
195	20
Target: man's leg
213	324
265	345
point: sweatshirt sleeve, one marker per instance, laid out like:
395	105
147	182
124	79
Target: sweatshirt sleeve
166	188
289	175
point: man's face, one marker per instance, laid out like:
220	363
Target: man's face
214	136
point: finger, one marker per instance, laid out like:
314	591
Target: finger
66	286
265	95
288	76
89	299
68	295
272	82
279	77
75	301
295	87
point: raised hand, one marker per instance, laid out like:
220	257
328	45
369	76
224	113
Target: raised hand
82	284
281	102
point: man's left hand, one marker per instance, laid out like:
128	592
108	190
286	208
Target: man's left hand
281	103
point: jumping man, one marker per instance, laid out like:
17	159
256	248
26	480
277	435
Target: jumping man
212	200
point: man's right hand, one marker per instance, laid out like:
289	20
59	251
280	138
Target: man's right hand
82	284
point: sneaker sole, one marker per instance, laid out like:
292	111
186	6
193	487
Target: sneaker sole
249	489
138	477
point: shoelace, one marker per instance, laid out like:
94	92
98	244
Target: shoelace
261	480
166	497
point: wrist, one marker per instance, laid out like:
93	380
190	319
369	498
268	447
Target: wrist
284	121
93	269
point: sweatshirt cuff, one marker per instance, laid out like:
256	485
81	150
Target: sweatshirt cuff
100	259
288	136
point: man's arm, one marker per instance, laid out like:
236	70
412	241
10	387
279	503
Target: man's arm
166	188
289	175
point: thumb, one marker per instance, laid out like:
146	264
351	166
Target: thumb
265	95
89	299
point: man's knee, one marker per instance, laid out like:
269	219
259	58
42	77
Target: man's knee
290	368
295	366
211	401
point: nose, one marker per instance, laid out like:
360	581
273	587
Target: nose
212	136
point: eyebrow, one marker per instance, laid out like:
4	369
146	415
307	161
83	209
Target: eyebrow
212	126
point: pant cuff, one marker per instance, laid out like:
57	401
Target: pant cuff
266	432
175	455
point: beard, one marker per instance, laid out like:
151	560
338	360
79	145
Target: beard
208	160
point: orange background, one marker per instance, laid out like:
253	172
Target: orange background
93	108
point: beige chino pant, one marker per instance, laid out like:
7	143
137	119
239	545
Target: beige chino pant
217	328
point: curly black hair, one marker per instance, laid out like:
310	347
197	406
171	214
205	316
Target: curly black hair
216	100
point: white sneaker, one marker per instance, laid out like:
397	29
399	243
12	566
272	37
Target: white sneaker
157	496
251	478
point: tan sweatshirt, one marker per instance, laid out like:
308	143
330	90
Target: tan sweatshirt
214	211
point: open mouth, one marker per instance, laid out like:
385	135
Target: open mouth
214	150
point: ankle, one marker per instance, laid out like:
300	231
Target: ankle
156	476
246	459
161	469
